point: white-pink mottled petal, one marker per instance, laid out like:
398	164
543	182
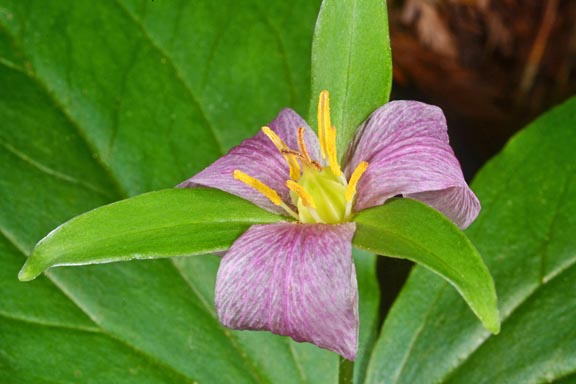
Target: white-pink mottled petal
294	280
406	146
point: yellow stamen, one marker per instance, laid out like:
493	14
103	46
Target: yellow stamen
331	149
278	142
306	198
324	123
282	147
356	175
327	133
294	167
302	144
271	194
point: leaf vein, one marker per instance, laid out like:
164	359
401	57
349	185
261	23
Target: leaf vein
160	364
51	172
549	233
417	334
477	347
71	121
281	49
176	71
543	279
102	330
254	371
40	323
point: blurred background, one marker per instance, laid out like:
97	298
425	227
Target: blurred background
491	65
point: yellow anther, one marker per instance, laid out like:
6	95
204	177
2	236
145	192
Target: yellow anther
356	175
283	148
324	123
331	151
327	133
306	198
294	167
271	194
278	142
302	144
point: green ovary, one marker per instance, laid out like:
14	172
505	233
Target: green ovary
327	191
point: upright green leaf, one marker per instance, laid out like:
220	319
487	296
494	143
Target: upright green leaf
351	59
167	223
526	234
412	230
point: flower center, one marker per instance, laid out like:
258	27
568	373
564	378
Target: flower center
320	193
326	191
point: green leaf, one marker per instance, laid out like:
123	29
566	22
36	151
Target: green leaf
105	100
351	59
368	307
412	230
526	234
167	223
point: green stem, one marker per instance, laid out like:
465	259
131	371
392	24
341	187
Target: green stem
345	371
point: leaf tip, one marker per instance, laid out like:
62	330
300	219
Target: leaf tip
28	273
493	324
494	328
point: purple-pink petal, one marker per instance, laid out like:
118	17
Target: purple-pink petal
259	158
460	204
295	280
406	146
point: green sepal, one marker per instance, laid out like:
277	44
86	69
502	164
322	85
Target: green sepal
166	223
408	229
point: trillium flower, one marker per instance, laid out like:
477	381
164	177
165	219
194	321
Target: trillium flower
296	278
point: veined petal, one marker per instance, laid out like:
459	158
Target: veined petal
294	280
392	122
406	146
259	158
460	204
286	125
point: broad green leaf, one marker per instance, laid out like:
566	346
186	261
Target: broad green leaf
351	59
109	99
412	230
526	234
167	223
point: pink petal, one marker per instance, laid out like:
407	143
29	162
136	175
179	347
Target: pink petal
294	280
259	158
460	204
406	146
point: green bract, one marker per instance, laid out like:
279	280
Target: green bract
172	222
